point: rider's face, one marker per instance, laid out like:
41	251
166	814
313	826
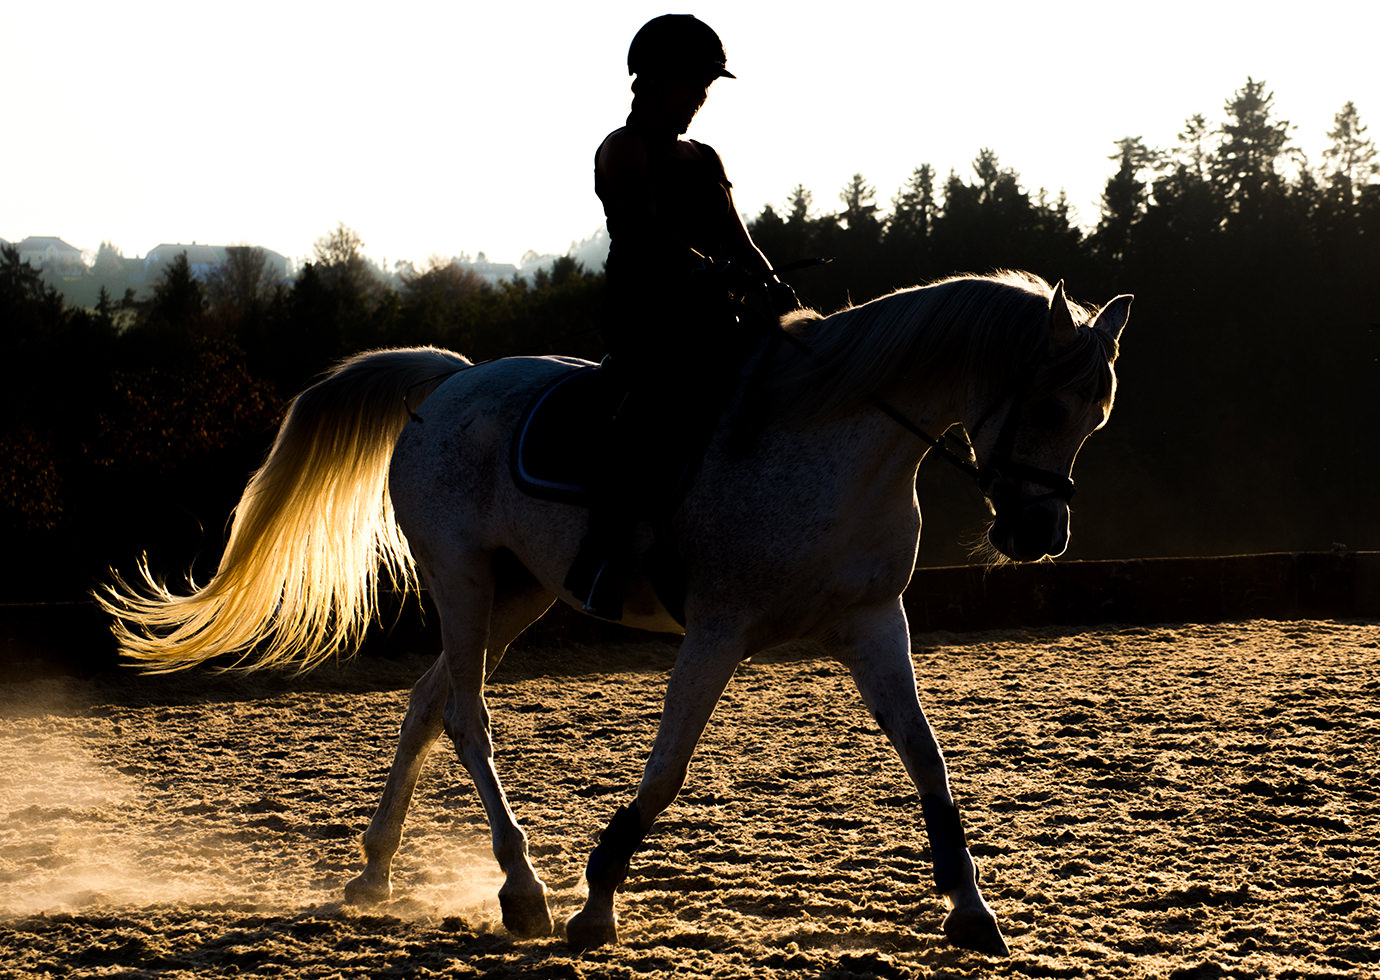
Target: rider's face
682	98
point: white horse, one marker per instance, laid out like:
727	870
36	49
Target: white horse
400	460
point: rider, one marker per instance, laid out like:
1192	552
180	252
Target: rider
673	341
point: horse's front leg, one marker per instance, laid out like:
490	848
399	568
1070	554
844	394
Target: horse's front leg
703	669
876	650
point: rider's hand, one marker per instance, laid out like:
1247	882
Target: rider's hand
781	297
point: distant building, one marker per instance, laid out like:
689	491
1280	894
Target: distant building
490	272
202	259
50	253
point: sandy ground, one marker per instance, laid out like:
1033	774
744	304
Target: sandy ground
1185	802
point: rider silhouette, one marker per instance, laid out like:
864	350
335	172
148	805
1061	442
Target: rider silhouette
673	341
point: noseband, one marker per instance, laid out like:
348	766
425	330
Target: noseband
1001	466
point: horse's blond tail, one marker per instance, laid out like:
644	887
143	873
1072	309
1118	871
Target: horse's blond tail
298	582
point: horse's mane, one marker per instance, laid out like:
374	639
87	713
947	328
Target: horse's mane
989	328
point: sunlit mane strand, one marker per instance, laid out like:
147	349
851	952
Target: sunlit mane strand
926	335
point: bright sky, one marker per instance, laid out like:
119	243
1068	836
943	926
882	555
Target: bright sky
434	127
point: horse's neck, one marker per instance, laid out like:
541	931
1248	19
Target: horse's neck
864	447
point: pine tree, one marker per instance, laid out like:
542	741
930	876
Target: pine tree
1352	156
1125	197
913	208
1252	143
859	213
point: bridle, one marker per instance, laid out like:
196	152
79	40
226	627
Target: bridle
1001	466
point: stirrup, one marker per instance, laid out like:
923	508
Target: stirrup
605	598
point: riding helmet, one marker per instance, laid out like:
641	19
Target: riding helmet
677	46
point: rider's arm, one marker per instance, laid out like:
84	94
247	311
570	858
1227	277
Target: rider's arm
782	297
747	251
743	249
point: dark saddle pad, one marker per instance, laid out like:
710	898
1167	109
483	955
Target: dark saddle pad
556	447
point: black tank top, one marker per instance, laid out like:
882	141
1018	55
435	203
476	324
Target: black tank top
693	206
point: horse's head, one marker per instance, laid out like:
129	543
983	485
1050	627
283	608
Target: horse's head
1027	436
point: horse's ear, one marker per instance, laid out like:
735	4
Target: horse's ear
1061	325
1112	317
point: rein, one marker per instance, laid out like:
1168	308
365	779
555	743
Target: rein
1002	465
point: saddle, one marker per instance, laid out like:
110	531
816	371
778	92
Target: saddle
553	455
557	455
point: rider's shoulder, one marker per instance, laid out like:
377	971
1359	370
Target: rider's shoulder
706	153
622	150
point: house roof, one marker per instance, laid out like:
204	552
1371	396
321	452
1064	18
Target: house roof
196	254
38	243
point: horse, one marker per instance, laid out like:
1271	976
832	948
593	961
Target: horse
396	466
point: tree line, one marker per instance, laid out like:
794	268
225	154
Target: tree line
1247	384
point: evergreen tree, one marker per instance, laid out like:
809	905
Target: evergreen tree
1194	154
906	235
1245	165
1125	198
179	301
1351	154
913	209
859	214
800	204
1352	164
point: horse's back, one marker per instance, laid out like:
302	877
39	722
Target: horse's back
473	401
450	465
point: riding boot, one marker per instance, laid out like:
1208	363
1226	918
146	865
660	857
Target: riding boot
599	574
607	541
584	569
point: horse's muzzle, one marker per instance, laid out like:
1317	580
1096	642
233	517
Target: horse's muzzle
1029	531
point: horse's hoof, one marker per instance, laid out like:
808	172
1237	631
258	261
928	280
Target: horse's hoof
586	931
362	891
526	915
976	930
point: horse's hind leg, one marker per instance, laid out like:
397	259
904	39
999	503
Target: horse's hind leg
876	650
465	599
519	601
420	729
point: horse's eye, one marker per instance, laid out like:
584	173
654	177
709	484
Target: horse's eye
1048	413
